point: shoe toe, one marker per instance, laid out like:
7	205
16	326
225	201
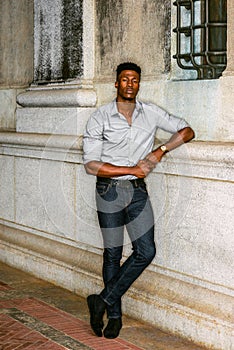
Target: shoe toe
97	331
113	328
97	309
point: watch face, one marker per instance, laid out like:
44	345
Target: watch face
163	148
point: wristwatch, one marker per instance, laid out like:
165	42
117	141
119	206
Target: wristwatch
164	148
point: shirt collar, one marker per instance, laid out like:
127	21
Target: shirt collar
114	109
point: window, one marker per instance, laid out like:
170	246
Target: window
201	36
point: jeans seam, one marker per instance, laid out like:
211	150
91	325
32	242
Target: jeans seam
119	280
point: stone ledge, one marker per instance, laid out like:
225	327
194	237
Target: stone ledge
195	150
41	140
207	160
58	98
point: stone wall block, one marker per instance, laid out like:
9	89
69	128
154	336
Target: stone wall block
7	188
62	121
45	195
8	108
201	250
88	230
55	111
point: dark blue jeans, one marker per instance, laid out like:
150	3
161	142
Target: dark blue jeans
123	204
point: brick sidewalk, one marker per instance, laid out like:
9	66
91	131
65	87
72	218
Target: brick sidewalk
36	315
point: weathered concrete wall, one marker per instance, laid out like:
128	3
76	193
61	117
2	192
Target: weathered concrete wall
8	108
48	223
49	227
58	40
133	30
16	44
16	55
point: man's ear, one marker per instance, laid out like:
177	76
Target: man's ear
116	84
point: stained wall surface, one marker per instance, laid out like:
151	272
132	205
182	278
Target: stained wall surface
58	28
48	219
16	44
16	56
136	31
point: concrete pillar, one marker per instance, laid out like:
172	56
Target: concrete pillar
16	55
62	93
16	44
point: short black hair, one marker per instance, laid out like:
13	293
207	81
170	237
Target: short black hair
127	66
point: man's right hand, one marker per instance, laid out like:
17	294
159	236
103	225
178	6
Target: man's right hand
143	168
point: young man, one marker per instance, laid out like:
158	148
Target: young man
118	149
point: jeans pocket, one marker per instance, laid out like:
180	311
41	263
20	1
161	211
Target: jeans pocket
102	188
143	188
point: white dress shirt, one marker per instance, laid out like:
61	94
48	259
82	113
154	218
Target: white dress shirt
110	139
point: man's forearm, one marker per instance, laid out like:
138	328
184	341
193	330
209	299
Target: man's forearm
106	169
179	138
96	168
145	166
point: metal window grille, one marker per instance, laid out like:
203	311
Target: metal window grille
201	36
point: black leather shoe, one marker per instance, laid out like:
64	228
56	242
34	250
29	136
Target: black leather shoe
96	309
113	328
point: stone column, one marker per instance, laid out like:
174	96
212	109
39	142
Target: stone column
62	95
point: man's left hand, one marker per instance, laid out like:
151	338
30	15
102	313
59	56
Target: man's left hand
155	156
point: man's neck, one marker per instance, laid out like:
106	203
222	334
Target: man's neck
126	109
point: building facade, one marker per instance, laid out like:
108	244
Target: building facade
57	64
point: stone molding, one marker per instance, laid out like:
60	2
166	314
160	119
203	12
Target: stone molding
209	160
11	139
63	97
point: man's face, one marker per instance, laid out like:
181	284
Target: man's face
127	86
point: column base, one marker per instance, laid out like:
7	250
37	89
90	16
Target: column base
54	111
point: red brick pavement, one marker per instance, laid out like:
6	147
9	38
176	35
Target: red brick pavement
15	335
29	322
